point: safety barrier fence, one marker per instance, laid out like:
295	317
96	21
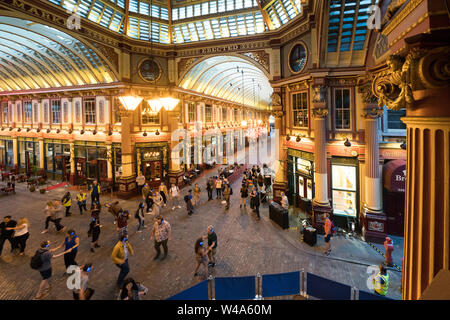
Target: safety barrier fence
258	287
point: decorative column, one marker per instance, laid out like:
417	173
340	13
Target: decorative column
424	90
175	172
127	181
41	155
320	203
72	163
280	183
15	155
373	219
109	166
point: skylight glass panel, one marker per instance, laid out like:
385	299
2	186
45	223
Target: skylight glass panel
133	6
232	26
175	14
116	21
178	35
289	9
67	4
182	12
197	10
213	7
155	11
230	5
224	28
221	6
189	12
240	21
164	13
185	32
144	30
250	23
106	17
83	8
275	21
96	11
121	3
281	13
200	30
144	8
239	4
155	32
164	33
133	30
57	2
216	28
205	8
248	3
208	30
193	32
259	22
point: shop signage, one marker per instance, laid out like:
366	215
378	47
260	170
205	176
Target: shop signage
393	153
152	155
395	175
375	226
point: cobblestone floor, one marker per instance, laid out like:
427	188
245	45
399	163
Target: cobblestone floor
245	247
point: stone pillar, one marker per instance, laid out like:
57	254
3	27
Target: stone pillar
41	154
127	181
175	171
15	154
72	163
425	94
320	203
109	165
374	220
280	183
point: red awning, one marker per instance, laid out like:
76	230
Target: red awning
394	175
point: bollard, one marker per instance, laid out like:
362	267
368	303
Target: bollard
354	294
258	291
210	288
302	282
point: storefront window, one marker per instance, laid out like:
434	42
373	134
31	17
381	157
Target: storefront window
191	111
49	151
27	111
10	154
344	190
89	110
208	113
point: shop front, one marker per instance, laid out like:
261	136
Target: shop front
28	159
6	154
57	159
345	191
152	161
91	162
394	176
300	179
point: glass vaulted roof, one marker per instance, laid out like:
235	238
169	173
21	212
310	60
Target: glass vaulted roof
34	56
222	77
189	21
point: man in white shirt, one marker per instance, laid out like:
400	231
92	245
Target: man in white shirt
140	180
284	201
175	195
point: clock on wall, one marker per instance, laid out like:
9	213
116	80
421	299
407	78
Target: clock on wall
297	58
149	70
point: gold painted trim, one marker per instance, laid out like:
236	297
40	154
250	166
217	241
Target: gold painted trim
401	16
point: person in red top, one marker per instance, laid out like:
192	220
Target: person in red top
388	247
327	228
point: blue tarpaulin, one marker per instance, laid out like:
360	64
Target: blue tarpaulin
363	295
197	292
326	289
282	284
238	288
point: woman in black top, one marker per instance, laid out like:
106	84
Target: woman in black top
132	290
244	194
94	231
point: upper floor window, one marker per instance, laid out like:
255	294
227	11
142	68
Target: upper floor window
150	118
36	112
224	114
77	112
19	112
300	109
208	113
392	119
191	111
46	112
56	111
27	112
89	110
66	112
342	109
236	115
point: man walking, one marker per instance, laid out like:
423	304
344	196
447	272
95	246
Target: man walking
212	246
140	181
256	202
219	188
226	195
94	188
329	227
7	234
119	256
81	201
209	188
189	204
161	233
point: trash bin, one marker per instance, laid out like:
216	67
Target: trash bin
279	215
310	236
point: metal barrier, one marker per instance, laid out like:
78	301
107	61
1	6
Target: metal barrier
258	287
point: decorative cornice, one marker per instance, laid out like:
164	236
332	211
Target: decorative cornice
410	6
372	113
320	112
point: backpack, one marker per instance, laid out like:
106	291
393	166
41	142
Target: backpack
36	261
186	198
333	229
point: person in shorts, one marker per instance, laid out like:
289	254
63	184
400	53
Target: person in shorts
46	269
212	246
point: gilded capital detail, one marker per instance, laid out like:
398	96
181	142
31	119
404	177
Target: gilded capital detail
319	94
320	112
372	113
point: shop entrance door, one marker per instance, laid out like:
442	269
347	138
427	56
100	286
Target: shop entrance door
394	205
28	162
152	172
80	166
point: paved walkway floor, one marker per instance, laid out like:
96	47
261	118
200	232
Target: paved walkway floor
245	247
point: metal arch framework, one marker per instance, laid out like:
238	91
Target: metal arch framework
36	56
218	76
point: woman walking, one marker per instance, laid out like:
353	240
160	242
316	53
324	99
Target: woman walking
201	256
71	242
21	234
244	195
67	203
164	193
140	216
149	201
53	214
94	231
157	203
197	192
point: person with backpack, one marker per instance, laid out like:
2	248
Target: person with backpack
329	230
42	261
94	232
140	216
67	203
81	201
175	196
